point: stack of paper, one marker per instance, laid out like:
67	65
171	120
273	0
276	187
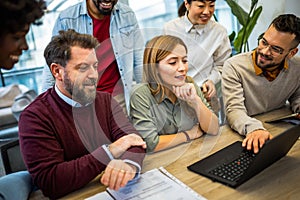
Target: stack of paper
152	185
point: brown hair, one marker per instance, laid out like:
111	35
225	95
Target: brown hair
156	50
288	23
59	49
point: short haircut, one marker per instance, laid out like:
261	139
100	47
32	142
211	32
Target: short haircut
16	14
59	49
182	9
288	23
156	50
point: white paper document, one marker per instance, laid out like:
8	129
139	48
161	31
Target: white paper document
100	196
153	185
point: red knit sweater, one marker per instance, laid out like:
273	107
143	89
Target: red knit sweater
61	145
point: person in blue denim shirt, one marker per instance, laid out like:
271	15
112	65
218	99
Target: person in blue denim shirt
115	26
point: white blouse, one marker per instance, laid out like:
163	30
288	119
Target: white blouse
208	47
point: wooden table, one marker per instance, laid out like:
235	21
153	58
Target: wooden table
280	180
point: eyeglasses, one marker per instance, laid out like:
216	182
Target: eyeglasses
275	51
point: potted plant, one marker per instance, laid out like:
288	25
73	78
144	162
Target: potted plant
247	20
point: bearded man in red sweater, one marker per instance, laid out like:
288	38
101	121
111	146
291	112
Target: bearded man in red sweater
71	133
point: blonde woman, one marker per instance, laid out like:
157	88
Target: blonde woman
169	108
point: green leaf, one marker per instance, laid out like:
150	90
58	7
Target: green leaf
254	2
238	41
252	22
238	11
242	39
232	36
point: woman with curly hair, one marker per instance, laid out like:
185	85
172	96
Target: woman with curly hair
16	17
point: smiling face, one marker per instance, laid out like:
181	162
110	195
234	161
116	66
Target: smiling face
274	47
11	47
173	68
78	79
200	12
104	7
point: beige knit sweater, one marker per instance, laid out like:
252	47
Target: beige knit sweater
245	94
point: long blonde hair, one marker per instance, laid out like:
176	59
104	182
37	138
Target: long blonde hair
156	50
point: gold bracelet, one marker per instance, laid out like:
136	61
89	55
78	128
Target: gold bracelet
188	139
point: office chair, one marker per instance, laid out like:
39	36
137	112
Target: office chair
11	156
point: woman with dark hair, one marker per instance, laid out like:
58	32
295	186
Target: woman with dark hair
169	108
16	17
207	42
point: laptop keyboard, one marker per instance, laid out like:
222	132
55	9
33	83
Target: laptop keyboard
233	170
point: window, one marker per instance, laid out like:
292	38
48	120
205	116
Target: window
161	12
151	14
166	10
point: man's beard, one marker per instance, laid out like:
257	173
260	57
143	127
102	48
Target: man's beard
101	11
268	58
77	91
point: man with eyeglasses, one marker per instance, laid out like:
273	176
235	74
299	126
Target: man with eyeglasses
263	80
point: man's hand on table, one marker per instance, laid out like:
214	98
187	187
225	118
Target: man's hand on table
256	139
117	174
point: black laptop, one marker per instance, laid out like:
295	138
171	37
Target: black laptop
234	165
